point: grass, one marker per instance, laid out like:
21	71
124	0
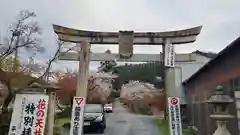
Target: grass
164	127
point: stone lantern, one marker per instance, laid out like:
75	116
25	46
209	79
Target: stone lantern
220	102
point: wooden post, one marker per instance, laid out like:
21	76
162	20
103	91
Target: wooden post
51	111
165	90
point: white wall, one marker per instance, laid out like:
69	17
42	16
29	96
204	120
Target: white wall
184	70
178	82
189	68
200	58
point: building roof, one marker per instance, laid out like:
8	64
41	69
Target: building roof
206	54
227	50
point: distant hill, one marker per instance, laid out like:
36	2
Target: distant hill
146	72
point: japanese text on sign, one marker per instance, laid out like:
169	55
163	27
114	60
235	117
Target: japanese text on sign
41	107
28	119
33	111
77	116
19	105
169	58
174	116
14	128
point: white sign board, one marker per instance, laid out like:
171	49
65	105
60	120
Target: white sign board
175	124
169	58
77	115
29	114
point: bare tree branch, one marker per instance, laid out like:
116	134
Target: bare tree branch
53	59
23	35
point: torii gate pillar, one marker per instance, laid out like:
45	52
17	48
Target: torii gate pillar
169	70
83	70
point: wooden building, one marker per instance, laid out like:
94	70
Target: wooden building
223	69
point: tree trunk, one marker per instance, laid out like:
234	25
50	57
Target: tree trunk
7	101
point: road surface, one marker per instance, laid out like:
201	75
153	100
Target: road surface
120	122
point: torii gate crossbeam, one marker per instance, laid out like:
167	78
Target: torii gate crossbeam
140	38
72	56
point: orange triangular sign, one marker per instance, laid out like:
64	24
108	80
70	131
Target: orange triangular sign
79	100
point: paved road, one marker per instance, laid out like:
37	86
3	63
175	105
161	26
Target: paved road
120	122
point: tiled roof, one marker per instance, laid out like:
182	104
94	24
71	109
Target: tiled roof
206	54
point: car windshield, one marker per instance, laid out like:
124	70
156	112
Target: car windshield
93	108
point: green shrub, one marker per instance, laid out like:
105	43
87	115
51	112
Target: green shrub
164	127
5	119
65	113
57	131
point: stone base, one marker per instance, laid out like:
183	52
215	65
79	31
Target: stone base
221	128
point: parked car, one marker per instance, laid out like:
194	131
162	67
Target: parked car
108	108
94	117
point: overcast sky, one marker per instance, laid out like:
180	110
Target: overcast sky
220	19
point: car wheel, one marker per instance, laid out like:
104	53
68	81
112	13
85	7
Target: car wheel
104	126
101	130
104	123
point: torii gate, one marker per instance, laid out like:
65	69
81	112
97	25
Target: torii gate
125	40
166	39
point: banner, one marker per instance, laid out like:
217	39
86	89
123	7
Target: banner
29	114
169	58
77	116
175	124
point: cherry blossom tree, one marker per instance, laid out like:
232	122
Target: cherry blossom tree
98	88
139	95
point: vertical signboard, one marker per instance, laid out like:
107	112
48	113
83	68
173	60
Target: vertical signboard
175	124
77	115
16	120
29	114
169	58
